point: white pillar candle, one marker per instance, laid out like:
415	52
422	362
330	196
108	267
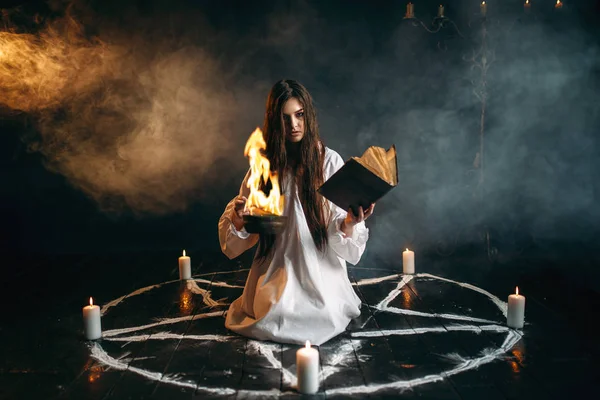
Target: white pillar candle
515	315
92	327
408	261
185	267
307	369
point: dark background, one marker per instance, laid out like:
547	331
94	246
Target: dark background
377	79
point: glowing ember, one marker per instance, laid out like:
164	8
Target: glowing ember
260	170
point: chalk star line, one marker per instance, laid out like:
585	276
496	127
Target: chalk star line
344	354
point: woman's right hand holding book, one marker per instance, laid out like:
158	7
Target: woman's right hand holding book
351	220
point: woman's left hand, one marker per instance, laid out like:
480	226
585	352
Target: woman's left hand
351	219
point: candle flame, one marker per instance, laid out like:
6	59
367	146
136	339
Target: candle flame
517	290
184	253
91	302
407	249
483	3
527	2
308	344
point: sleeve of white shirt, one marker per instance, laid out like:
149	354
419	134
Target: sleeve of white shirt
234	242
350	248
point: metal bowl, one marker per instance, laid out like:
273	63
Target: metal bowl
269	223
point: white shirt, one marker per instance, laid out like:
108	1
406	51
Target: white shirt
297	293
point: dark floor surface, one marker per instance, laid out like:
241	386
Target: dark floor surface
454	344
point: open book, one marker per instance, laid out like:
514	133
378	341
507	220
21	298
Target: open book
363	180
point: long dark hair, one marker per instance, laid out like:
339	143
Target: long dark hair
309	167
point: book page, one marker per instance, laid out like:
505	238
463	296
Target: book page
392	164
380	162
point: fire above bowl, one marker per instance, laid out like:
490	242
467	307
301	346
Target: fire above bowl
267	223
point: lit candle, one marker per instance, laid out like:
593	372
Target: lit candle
185	267
527	6
307	369
408	261
483	8
92	328
410	11
558	4
515	315
441	11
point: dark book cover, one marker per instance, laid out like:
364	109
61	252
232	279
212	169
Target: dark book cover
354	185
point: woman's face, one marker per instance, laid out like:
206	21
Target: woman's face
293	118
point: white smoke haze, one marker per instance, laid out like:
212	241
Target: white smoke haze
398	86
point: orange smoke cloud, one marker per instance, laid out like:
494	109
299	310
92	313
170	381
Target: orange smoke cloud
133	130
38	71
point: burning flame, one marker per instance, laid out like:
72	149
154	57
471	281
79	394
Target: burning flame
260	170
517	291
184	253
308	344
91	302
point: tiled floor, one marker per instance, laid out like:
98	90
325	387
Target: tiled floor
439	334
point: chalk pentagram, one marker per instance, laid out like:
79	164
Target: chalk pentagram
267	350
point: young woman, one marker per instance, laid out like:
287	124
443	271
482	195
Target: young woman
298	287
